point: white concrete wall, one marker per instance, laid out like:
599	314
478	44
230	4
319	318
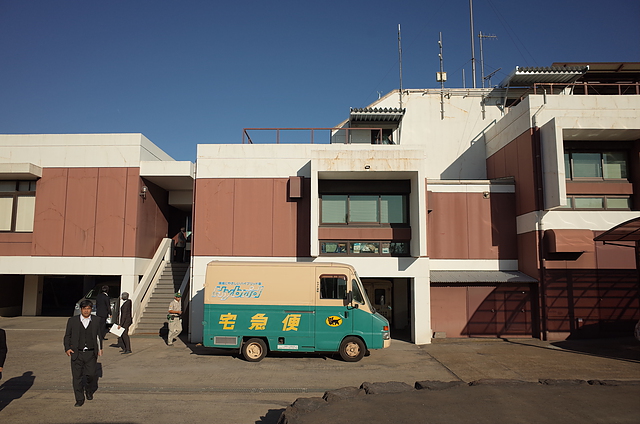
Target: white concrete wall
454	144
563	117
79	150
572	220
128	268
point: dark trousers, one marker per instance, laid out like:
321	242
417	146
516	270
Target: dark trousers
124	341
83	365
102	331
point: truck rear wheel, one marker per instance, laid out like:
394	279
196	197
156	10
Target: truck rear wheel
352	349
254	350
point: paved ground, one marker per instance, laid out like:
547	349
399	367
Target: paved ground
186	383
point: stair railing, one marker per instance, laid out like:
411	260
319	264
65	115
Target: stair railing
149	280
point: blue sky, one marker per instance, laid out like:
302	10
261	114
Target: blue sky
193	71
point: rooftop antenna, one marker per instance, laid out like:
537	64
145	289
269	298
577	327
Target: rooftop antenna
441	77
473	49
488	77
481	36
400	61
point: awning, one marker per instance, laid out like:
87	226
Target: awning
627	231
376	114
527	76
20	171
480	277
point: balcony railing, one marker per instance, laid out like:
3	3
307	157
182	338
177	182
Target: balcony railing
314	136
588	88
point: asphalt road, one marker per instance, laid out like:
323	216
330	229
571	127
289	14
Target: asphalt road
188	383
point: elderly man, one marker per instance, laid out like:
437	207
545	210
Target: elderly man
175	319
82	342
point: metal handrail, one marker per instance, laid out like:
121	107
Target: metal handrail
246	139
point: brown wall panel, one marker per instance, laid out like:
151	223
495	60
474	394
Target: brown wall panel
610	256
525	184
132	202
528	255
449	310
80	217
15	244
250	217
213	217
469	226
48	223
95	212
110	212
516	160
346	233
253	223
152	224
284	213
447	229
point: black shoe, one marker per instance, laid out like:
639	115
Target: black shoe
126	351
79	402
89	395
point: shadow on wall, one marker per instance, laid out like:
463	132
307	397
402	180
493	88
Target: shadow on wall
501	311
470	165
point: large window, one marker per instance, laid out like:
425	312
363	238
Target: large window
581	165
17	206
364	248
364	209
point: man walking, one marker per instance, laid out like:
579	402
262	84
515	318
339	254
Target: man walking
103	309
175	320
82	342
126	319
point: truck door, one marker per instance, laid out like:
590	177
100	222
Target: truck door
334	318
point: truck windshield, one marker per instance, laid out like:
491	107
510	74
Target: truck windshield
358	292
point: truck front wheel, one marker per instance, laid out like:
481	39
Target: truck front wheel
253	350
352	349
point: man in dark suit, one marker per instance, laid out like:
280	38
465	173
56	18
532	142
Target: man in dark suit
125	320
103	309
82	342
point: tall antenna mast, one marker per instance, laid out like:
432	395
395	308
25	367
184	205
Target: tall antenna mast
481	36
473	42
441	76
400	61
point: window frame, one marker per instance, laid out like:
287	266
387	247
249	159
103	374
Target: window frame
14	196
569	173
405	203
350	252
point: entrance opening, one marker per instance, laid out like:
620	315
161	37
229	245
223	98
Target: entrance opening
391	299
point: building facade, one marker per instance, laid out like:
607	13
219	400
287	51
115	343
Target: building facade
466	212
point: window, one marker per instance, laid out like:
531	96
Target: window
364	209
357	294
364	248
578	202
17	205
333	287
605	165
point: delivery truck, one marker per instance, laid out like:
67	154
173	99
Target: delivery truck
257	307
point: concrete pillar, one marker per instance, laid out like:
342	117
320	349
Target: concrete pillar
128	283
32	295
421	307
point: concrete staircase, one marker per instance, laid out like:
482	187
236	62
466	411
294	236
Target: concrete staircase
154	316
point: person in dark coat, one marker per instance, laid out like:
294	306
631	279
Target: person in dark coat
82	343
3	349
103	309
125	321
